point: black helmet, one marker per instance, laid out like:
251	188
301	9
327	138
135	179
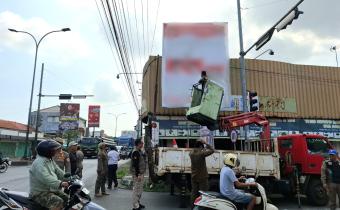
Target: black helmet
47	147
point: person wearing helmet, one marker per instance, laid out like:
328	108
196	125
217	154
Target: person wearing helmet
228	182
46	177
62	158
101	170
199	172
330	177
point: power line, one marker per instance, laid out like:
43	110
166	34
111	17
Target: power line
154	30
143	28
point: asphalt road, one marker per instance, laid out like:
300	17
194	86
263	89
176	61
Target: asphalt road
16	179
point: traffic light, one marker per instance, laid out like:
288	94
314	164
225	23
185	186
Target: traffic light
65	96
293	15
253	101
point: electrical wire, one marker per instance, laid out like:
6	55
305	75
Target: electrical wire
154	30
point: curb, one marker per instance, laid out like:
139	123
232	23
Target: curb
21	162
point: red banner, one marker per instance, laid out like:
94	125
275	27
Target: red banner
94	116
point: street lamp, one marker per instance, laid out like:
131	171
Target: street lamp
271	52
116	116
37	43
333	48
127	73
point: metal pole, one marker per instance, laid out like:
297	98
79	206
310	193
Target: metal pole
38	112
31	98
116	127
242	66
336	57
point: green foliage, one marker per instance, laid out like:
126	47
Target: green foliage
123	170
71	135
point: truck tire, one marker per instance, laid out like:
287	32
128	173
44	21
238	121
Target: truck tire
316	194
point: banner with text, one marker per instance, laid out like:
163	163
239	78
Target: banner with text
94	116
189	49
69	116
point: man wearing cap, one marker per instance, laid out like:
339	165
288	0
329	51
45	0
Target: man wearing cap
62	158
330	177
199	172
73	156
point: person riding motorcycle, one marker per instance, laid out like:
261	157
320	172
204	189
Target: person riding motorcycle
46	177
228	182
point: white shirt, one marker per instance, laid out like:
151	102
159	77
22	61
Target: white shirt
113	157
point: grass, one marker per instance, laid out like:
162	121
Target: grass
123	170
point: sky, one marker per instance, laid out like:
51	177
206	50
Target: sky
82	61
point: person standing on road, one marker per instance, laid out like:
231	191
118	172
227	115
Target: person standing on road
137	169
330	177
112	167
101	170
62	158
73	156
80	158
199	172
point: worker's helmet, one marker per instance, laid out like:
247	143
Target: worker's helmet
47	148
332	152
231	160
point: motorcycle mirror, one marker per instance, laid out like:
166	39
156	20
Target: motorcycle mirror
67	175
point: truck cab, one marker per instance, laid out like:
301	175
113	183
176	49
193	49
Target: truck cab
89	146
301	157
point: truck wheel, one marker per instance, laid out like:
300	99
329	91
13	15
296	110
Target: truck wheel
316	194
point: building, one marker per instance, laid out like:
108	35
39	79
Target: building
12	138
50	121
295	99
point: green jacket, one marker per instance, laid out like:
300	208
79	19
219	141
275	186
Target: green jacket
45	176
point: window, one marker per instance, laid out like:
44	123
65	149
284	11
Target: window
316	145
286	143
89	141
53	119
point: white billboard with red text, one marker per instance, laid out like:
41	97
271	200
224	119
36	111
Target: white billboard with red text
189	49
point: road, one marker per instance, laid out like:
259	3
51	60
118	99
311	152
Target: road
16	178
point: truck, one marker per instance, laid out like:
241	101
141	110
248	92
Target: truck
89	146
125	141
289	164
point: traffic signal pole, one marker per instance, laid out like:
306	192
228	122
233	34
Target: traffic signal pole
287	19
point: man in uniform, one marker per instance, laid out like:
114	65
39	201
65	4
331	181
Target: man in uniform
199	172
330	177
138	167
80	158
101	170
73	156
62	158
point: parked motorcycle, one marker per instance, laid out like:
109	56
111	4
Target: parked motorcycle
79	198
214	200
4	163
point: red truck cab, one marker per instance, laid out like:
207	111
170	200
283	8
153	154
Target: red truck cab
302	156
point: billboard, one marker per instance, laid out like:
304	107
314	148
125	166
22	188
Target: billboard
69	116
94	116
189	49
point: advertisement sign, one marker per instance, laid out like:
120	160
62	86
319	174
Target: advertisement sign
69	116
94	116
189	49
155	133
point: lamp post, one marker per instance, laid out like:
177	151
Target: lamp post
333	48
127	73
116	116
37	43
271	52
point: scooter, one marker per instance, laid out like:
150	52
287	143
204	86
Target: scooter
213	200
4	163
79	198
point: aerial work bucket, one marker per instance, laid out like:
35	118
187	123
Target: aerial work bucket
205	104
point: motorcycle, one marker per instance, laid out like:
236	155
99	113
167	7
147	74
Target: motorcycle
4	163
79	198
213	200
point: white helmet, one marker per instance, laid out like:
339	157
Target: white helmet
231	160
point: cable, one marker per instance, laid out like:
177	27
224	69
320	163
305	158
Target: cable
139	51
143	29
154	31
263	4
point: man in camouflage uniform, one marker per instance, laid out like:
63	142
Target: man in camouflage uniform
199	172
62	158
137	169
72	147
101	170
46	178
330	177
